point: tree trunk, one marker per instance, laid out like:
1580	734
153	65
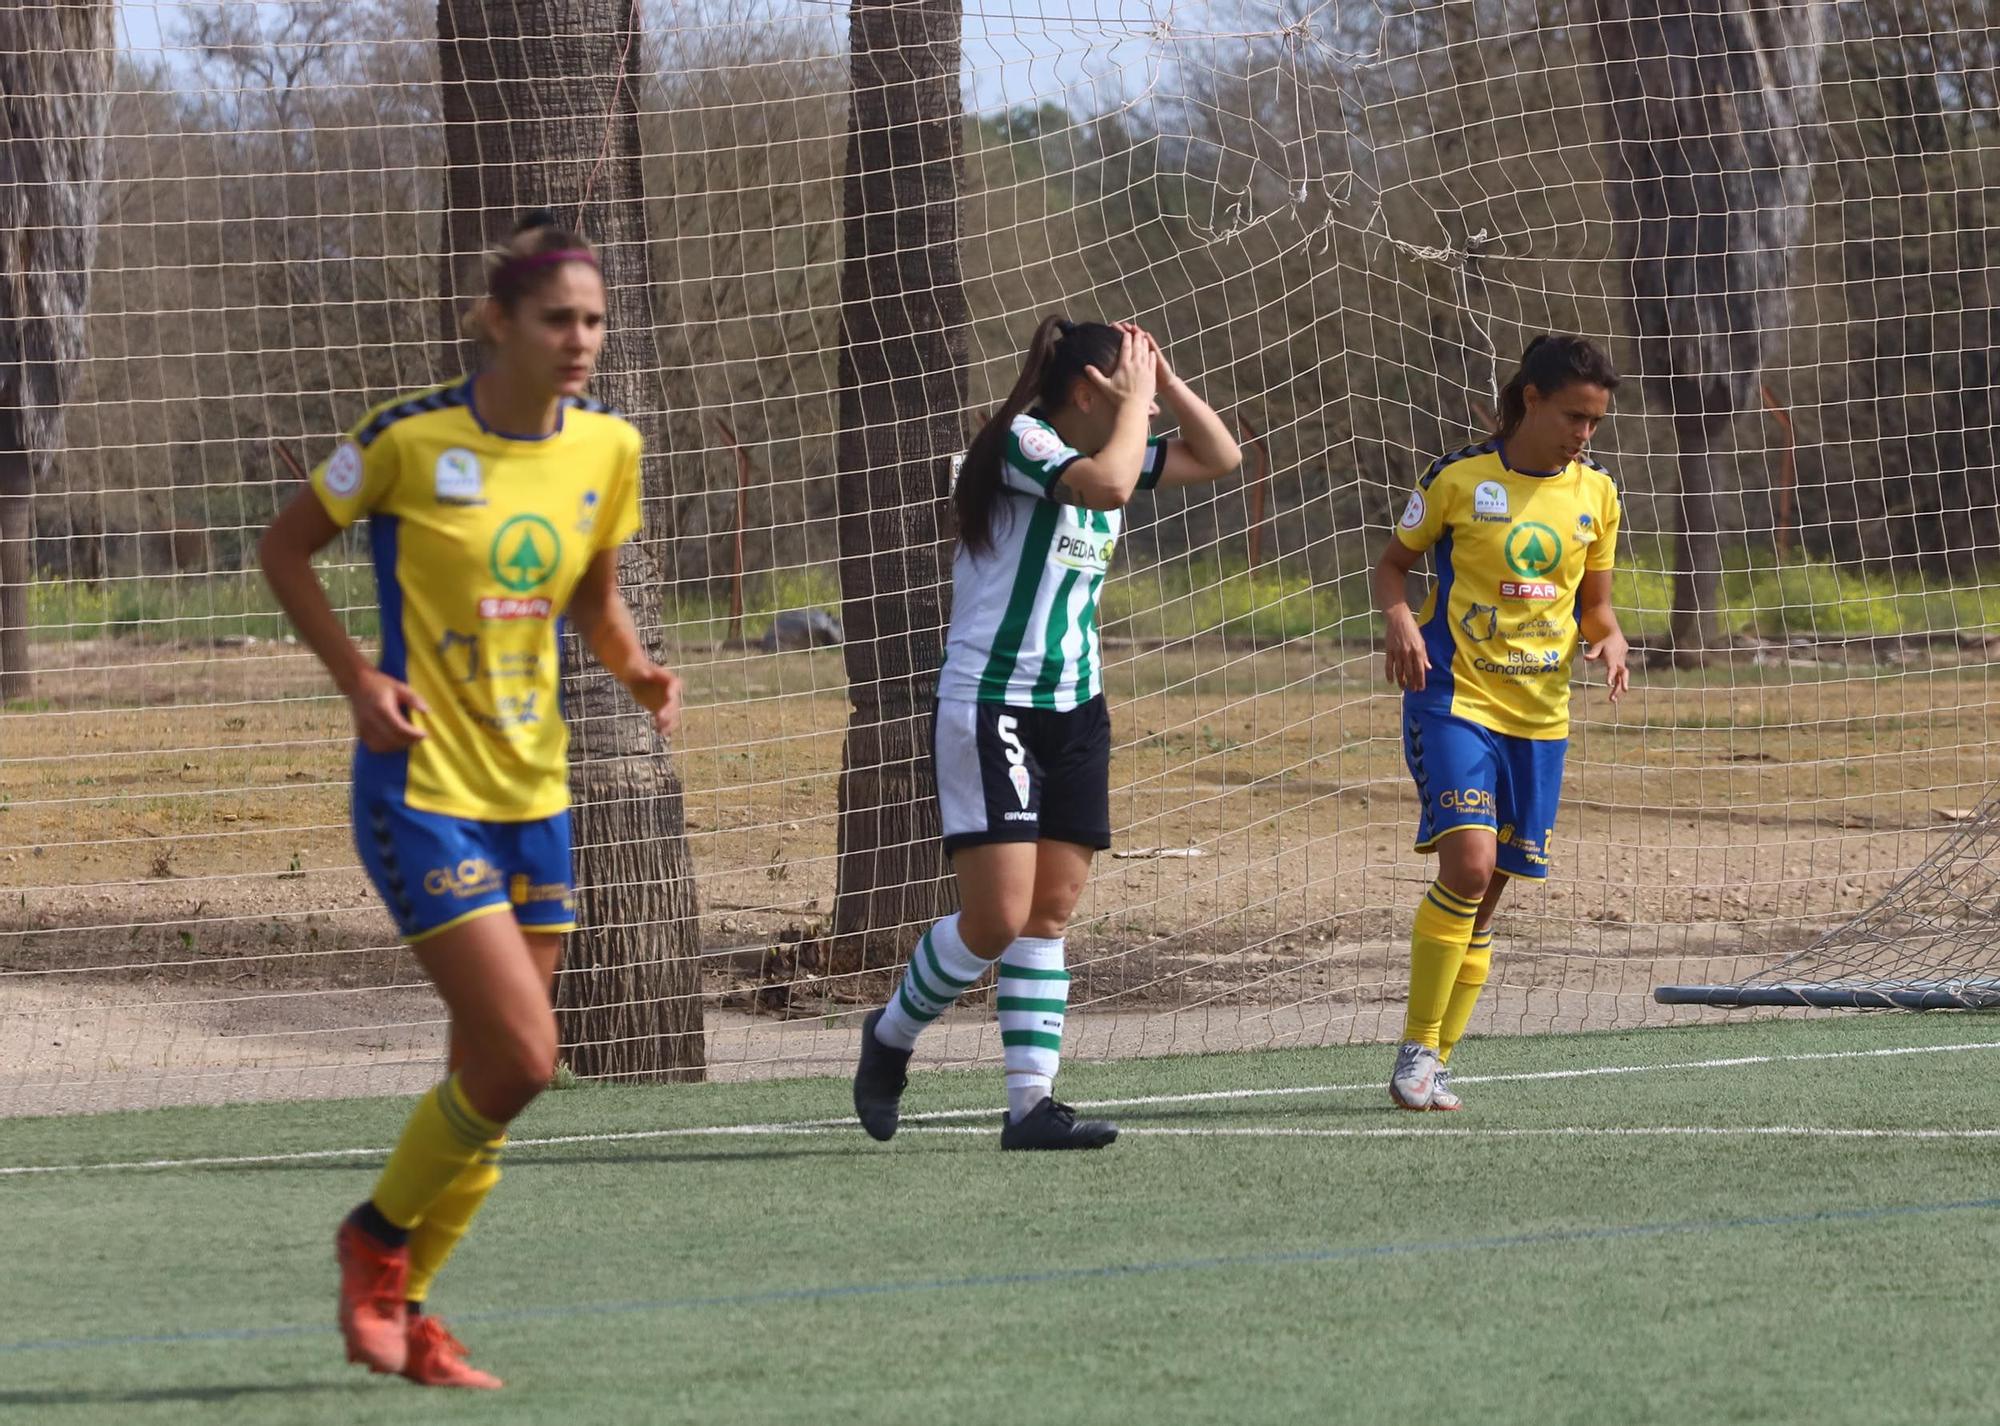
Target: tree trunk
17	560
902	391
1710	105
55	74
1697	564
540	111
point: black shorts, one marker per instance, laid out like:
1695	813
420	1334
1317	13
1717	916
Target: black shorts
1009	774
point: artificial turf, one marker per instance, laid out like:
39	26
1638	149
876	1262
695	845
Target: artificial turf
1443	1273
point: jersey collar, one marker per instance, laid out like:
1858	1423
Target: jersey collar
1500	449
472	407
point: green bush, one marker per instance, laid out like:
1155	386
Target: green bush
190	608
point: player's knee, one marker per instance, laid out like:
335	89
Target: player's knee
1468	872
521	1067
1048	918
991	929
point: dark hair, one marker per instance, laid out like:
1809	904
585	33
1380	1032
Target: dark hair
1057	355
527	259
1551	362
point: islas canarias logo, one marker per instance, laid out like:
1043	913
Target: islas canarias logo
525	552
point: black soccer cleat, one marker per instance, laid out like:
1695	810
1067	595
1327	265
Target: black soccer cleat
879	1081
1054	1125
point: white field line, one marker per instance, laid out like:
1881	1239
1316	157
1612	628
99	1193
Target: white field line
929	1117
1568	1131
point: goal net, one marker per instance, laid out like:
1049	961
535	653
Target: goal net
1344	222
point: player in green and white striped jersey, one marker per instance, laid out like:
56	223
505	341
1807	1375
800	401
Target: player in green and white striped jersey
1023	742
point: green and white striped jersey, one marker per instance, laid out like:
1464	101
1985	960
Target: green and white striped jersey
1024	614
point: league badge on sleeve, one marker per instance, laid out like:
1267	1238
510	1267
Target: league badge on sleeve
343	470
1040	444
1413	513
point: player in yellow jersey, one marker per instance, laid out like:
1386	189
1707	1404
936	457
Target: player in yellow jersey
495	509
1522	530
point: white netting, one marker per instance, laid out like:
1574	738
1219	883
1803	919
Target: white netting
1343	221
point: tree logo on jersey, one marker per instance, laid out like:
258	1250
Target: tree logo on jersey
1480	622
525	553
457	478
1489	501
1533	550
343	470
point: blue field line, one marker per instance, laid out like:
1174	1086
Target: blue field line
1300	1258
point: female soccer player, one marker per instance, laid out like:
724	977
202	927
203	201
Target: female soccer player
1022	742
1523	529
495	508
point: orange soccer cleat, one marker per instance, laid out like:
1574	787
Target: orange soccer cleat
437	1358
373	1317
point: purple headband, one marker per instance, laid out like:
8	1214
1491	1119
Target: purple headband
534	262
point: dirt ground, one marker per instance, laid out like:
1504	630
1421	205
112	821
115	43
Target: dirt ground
183	919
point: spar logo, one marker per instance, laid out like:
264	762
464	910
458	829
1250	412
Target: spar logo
525	553
498	608
1533	550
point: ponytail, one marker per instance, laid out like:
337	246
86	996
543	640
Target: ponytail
1057	355
1551	362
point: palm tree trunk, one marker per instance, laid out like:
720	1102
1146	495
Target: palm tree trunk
540	110
902	391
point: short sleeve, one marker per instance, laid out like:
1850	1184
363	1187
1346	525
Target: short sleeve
623	501
1425	518
1033	457
1603	551
355	478
1155	464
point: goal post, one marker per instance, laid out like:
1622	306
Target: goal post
1931	943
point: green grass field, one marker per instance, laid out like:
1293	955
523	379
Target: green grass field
1268	1242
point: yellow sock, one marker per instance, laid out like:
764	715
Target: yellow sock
1437	945
446	1220
1472	972
444	1138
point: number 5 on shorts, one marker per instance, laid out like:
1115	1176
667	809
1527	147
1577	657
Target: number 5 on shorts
1017	756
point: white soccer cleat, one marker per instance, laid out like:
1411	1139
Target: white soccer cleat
1415	1077
1441	1095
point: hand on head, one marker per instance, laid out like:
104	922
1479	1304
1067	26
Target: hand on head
1136	377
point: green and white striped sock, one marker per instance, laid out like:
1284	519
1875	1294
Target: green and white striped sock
941	969
1034	994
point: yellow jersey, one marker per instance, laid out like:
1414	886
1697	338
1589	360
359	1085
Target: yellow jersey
478	539
1510	548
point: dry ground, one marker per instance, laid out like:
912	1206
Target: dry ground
183	917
